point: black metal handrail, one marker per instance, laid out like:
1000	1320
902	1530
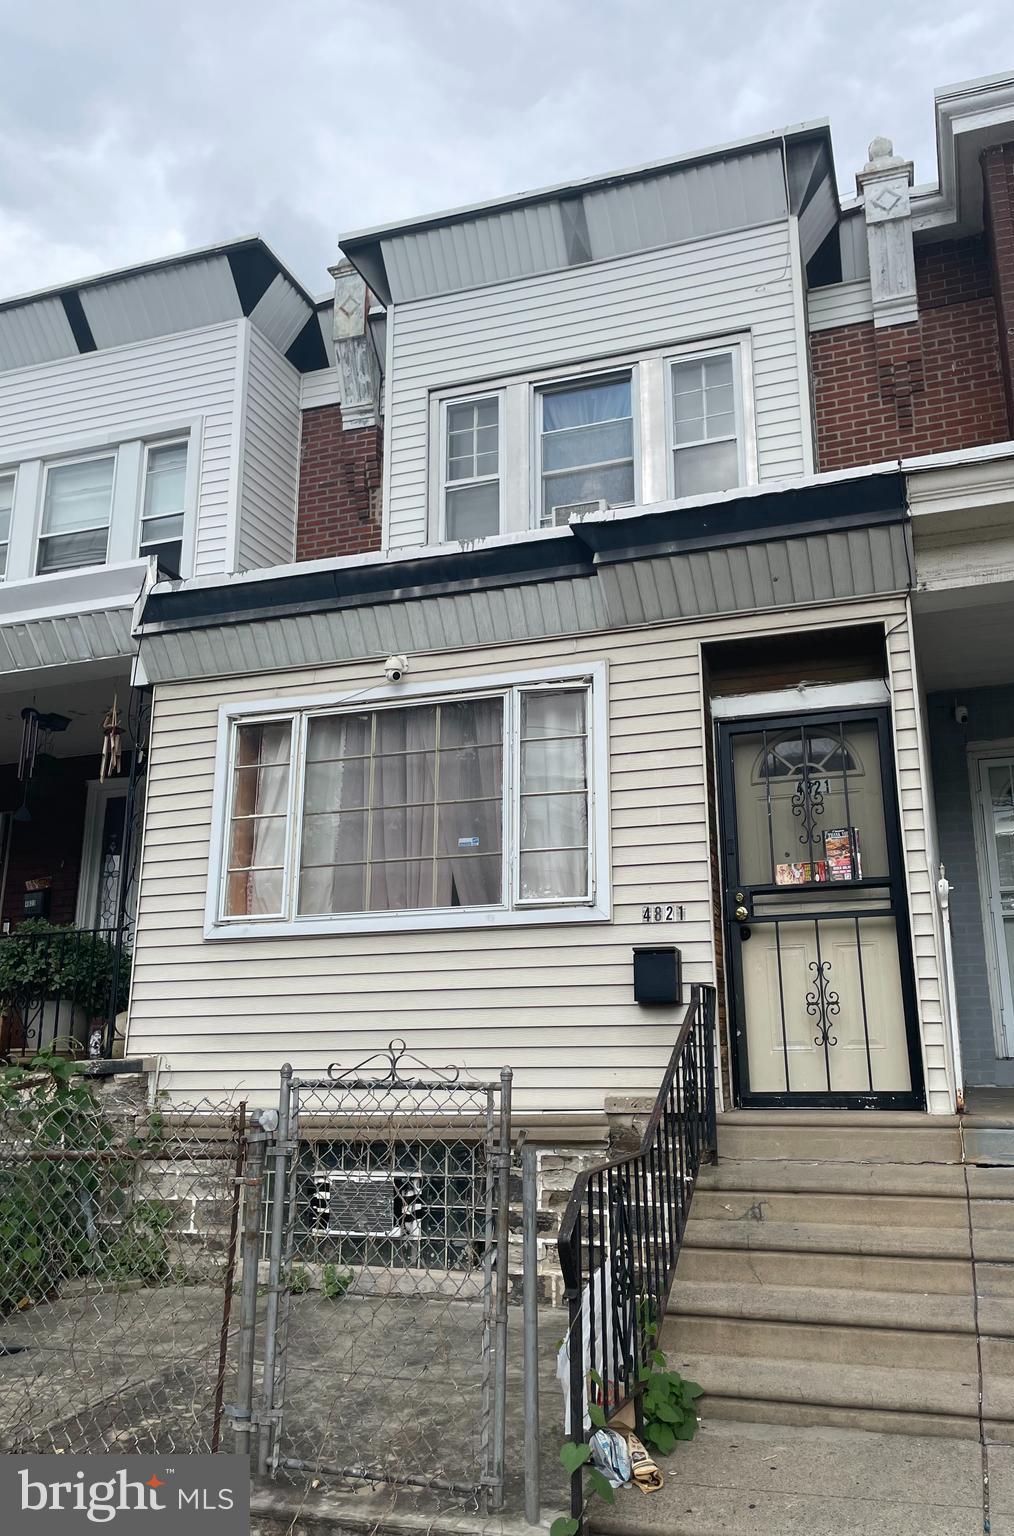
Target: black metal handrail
623	1227
61	988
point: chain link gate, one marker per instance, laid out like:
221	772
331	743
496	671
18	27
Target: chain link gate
118	1252
385	1232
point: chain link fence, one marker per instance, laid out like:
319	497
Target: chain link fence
319	1285
117	1262
385	1333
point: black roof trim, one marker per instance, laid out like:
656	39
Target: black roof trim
782	514
78	321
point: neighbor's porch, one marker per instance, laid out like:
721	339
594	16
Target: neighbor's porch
64	931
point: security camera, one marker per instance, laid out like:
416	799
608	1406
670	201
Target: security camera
960	714
395	668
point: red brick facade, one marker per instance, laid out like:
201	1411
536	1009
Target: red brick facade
998	183
921	388
339	486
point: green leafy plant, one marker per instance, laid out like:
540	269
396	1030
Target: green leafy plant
140	1248
334	1282
42	960
299	1280
47	1199
669	1410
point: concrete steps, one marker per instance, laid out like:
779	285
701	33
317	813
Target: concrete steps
859	1286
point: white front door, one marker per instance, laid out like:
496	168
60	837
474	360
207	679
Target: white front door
996	812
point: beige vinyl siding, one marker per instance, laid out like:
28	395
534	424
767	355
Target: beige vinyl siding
914	792
708	288
839	304
553	1002
270	459
104	397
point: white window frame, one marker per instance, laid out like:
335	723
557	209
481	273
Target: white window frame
738	348
12	475
602	375
596	908
277	717
476	397
176	440
650	371
41	534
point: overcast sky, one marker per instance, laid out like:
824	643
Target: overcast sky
131	130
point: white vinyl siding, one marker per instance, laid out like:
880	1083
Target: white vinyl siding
553	1001
224	388
270	459
715	288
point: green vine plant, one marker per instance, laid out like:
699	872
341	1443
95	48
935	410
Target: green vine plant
65	1216
669	1408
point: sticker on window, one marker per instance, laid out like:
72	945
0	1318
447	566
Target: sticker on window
468	842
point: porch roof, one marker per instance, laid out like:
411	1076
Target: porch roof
801	544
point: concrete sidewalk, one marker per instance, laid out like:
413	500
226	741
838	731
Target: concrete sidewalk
776	1480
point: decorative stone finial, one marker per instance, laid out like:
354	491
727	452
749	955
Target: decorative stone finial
880	149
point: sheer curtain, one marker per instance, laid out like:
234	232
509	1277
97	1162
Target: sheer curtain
259	817
584	405
554	796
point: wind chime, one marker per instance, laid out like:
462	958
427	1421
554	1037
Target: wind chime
33	726
112	742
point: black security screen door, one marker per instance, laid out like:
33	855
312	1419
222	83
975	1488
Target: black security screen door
820	971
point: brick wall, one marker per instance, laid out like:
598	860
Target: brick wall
998	185
339	486
921	388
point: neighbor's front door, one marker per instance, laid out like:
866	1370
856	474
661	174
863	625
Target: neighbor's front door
820	972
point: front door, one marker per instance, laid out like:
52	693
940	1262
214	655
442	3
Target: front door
820	974
996	828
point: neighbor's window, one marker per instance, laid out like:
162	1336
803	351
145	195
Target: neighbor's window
706	428
586	448
472	468
6	503
75	514
259	819
407	808
165	477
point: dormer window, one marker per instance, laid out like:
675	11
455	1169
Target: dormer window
471	474
586	448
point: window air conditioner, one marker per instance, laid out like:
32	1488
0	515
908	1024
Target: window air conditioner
559	517
359	1204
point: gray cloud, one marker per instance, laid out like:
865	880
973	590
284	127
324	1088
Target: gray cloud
128	131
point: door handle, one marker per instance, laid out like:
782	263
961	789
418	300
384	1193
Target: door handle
742	914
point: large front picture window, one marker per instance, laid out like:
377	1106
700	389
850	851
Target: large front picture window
459	804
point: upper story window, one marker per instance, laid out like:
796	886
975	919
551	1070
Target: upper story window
535	452
77	506
586	448
165	483
471	493
705	425
6	503
458	809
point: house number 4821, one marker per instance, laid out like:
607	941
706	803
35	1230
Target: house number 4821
667	913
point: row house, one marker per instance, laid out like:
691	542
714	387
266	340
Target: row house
639	620
149	429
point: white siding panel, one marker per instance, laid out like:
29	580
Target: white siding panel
151	386
270	465
321	387
839	304
731	283
553	1002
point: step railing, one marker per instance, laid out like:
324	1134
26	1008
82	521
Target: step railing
622	1230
